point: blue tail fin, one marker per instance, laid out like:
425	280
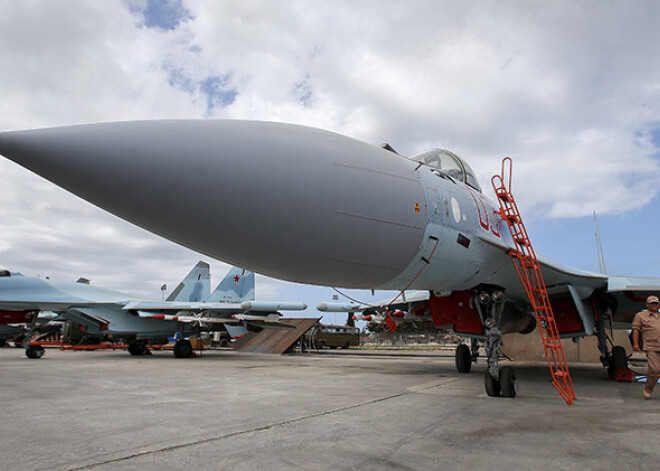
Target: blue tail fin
195	287
237	286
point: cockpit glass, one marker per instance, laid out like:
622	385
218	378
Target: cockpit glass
450	164
470	177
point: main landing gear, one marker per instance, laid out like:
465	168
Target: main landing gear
137	349
465	356
616	360
183	349
34	351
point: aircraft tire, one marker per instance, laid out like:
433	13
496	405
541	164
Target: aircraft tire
463	358
136	349
492	385
34	351
618	360
183	349
619	357
508	382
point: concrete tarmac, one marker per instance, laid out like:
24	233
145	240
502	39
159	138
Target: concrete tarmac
106	410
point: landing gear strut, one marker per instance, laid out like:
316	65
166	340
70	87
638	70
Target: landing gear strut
498	381
614	360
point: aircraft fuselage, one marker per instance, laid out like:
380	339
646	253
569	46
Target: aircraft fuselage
292	202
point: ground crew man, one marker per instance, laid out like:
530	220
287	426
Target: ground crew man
646	327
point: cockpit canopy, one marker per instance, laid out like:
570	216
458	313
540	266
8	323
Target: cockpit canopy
450	164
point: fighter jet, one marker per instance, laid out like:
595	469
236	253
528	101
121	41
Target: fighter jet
190	308
326	209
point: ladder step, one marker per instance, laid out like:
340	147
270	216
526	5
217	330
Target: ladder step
531	277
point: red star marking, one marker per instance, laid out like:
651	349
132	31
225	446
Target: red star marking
236	278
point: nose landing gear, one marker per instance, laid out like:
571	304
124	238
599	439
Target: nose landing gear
498	381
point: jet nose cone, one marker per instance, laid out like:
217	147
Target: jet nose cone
289	201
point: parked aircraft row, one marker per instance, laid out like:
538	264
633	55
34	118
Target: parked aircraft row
191	307
326	209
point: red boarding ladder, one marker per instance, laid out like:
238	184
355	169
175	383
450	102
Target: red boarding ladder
528	269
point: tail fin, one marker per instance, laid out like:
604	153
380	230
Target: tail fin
237	286
195	287
601	260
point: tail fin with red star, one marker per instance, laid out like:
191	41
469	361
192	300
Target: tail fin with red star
237	286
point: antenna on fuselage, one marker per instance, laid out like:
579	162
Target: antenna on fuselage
600	247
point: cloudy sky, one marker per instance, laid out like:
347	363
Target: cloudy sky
570	90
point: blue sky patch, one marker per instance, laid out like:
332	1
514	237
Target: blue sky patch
217	93
303	91
216	89
655	136
165	14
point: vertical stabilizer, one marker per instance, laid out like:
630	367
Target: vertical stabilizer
195	287
600	247
237	286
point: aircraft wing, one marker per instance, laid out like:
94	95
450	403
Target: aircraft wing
174	306
46	305
271	321
554	273
630	293
637	284
401	299
627	293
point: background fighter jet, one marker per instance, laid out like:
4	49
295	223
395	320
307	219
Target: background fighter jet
326	209
189	308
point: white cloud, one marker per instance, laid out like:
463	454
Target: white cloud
570	90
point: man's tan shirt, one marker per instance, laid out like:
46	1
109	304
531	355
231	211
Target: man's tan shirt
648	325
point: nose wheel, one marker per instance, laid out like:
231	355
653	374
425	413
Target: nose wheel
505	385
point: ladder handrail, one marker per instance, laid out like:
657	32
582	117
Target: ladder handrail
529	272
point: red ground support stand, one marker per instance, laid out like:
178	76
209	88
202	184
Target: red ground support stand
623	375
527	266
